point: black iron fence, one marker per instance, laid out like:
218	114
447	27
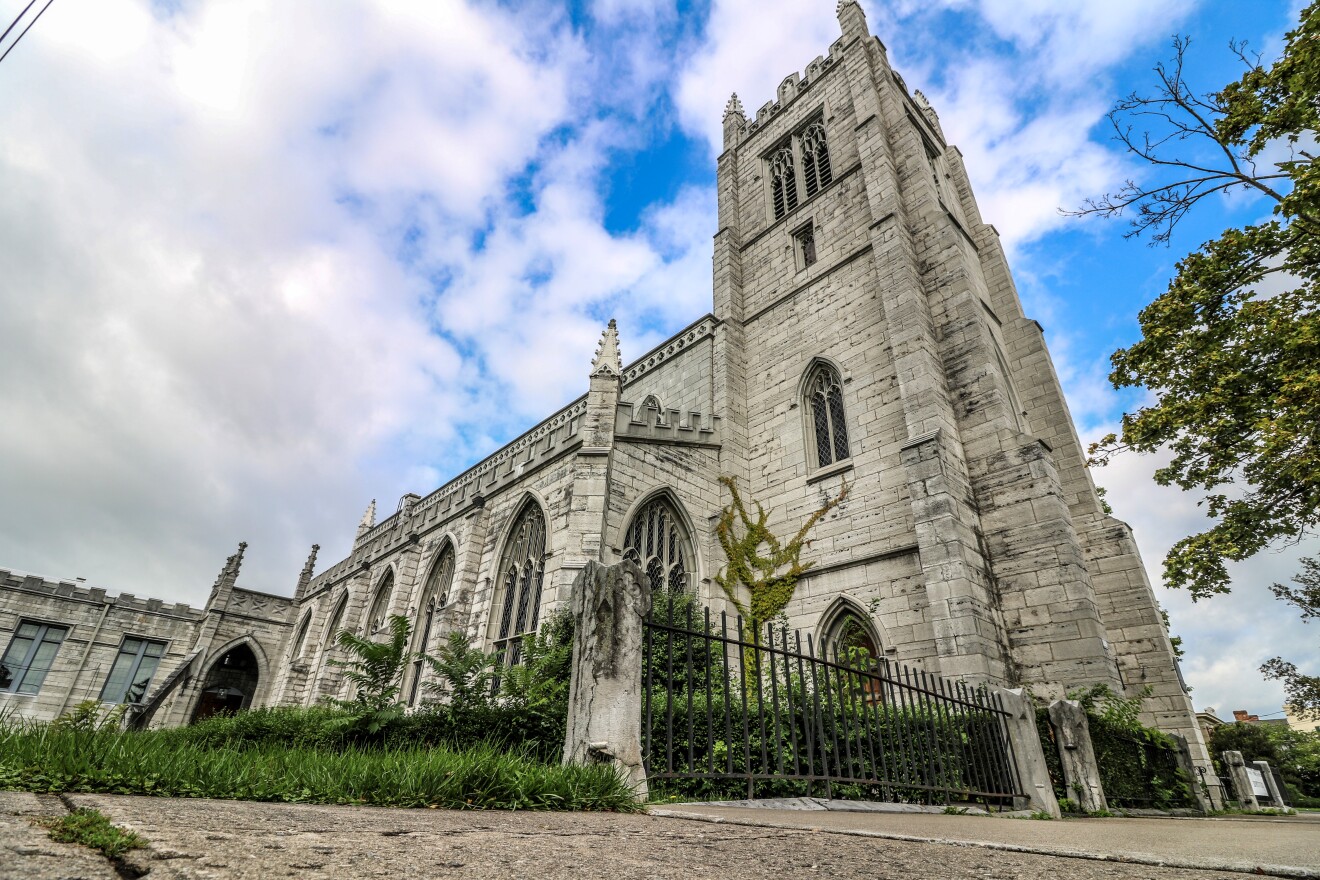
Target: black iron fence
732	712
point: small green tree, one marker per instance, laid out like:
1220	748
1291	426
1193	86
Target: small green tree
766	578
376	670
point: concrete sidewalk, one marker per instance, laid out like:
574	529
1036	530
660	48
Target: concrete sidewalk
1283	846
238	840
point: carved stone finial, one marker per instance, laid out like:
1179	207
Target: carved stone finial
305	577
238	559
734	107
923	102
843	4
369	516
607	362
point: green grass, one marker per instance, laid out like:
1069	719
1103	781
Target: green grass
92	829
40	758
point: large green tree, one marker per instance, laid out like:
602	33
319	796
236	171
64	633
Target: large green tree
1231	351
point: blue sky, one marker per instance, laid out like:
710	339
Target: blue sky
265	262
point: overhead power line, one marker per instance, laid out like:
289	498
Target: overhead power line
16	20
23	32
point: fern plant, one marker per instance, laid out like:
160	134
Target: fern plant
376	671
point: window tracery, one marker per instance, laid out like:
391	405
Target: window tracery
783	182
522	569
824	402
657	541
435	595
816	171
380	606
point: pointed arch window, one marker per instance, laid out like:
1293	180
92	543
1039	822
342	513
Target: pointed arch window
380	606
296	651
816	172
824	404
521	571
657	541
783	182
336	622
435	595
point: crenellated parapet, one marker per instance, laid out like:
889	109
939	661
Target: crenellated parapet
77	592
647	421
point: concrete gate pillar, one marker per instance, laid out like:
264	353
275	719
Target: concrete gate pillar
1276	796
609	604
1033	773
1237	771
1081	773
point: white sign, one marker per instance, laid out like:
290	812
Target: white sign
1258	787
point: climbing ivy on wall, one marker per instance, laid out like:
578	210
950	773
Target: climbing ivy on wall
762	571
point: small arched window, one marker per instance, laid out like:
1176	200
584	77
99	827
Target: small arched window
521	570
783	182
824	403
435	595
816	171
380	605
657	541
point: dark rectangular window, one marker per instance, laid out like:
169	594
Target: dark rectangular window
30	655
130	677
806	246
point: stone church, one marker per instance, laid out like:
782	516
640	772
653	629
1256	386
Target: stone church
865	330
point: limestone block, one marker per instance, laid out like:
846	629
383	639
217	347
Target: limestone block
608	604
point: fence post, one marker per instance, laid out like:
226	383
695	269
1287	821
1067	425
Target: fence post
1033	774
1276	796
609	605
1194	780
1237	770
1081	773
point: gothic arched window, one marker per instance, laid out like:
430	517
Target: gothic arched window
657	541
336	622
435	595
521	569
381	604
783	182
815	159
824	403
301	636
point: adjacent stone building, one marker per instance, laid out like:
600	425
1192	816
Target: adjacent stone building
865	329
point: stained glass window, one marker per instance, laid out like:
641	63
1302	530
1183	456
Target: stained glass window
381	605
825	405
657	541
434	598
521	571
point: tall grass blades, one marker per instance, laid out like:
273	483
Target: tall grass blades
38	757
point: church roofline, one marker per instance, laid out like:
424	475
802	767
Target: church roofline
692	333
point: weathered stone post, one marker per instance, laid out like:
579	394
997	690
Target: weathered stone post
1188	766
609	604
1237	771
1033	772
1081	773
1276	796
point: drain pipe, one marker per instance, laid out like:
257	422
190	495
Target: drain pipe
82	661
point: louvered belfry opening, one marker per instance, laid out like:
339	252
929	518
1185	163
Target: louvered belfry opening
783	182
816	171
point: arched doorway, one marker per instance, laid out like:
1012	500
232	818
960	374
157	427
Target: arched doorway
230	683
